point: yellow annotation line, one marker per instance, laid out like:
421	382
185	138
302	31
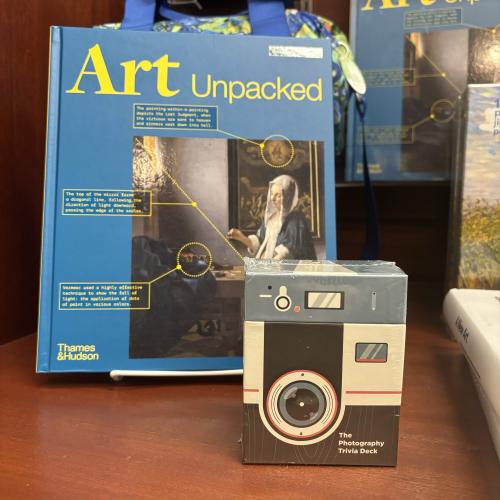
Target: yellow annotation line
195	205
179	187
219	232
441	73
163	275
420	122
430	75
238	137
484	28
190	204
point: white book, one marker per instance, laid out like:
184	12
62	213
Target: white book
473	316
492	418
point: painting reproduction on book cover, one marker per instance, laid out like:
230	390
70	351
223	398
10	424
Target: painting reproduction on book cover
476	233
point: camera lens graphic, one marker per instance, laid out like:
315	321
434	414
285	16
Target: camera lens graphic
301	404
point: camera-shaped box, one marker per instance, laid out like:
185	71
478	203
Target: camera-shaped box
323	361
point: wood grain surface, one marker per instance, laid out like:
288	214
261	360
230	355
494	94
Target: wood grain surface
83	436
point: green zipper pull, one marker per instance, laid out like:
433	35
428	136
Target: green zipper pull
351	71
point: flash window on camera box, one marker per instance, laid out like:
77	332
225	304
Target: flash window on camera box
371	353
324	300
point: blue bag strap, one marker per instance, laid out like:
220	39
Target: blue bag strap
371	246
139	15
267	17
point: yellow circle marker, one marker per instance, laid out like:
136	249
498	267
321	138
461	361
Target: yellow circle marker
277	159
439	107
194	204
443	75
178	259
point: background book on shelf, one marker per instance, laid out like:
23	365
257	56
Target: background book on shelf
416	73
474	221
473	318
492	417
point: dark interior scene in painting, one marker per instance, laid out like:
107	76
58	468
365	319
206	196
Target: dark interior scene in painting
213	202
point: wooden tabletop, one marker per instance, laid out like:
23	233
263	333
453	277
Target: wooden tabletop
83	436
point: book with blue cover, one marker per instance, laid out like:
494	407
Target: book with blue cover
171	157
417	58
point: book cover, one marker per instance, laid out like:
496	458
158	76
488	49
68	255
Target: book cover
171	157
492	417
474	236
473	317
416	73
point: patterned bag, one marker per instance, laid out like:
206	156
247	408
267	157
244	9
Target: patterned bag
269	17
263	18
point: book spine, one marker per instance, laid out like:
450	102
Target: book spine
484	361
491	417
49	206
456	198
353	20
